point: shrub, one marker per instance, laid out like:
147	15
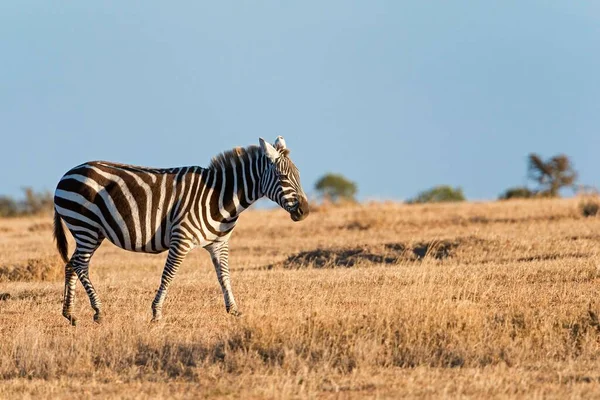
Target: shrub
33	203
36	202
439	194
520	192
8	207
336	187
589	207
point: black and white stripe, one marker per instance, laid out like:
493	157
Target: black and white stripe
152	210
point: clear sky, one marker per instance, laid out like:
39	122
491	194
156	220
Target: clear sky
398	96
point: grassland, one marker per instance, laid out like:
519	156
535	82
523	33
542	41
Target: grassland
381	300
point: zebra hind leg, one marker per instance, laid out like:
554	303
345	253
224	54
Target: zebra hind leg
69	295
80	263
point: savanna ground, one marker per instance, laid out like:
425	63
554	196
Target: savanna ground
383	300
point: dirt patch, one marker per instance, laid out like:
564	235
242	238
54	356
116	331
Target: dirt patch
390	253
35	269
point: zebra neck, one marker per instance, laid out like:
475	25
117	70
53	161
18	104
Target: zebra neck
235	183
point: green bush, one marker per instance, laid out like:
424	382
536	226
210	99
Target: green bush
336	187
520	192
439	194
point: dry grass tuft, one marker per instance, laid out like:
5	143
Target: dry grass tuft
34	269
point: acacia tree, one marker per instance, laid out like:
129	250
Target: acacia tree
553	174
336	187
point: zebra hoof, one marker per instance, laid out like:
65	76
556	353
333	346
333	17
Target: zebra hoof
155	320
235	313
72	320
98	318
156	315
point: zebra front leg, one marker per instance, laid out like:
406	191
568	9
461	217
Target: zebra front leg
219	253
177	253
80	263
69	295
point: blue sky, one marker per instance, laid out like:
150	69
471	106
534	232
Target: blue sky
398	96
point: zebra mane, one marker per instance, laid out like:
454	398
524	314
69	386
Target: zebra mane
225	158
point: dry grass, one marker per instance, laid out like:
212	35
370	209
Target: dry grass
385	300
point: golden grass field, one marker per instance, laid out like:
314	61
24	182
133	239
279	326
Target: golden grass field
472	300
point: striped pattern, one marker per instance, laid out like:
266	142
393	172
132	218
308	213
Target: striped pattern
153	210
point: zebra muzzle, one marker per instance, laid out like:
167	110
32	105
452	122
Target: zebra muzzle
302	211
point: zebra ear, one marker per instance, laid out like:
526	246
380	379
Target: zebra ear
268	149
280	143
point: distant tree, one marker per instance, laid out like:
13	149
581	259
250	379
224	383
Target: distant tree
336	187
439	194
520	192
552	175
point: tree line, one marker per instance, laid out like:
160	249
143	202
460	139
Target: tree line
32	203
549	177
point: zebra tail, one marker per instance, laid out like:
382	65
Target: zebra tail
61	240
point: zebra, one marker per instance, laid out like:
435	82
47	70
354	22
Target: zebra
152	210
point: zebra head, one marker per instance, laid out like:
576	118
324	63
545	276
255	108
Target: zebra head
281	180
